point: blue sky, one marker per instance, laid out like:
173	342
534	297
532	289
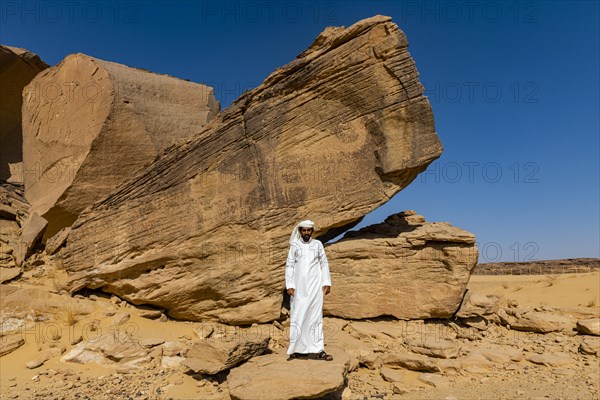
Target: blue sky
514	87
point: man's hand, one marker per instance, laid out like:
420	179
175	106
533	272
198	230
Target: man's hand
326	289
291	291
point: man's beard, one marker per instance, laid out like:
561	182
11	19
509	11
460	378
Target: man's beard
306	237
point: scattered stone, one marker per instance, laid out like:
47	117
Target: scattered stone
590	346
7	274
589	326
476	362
121	318
501	354
34	364
414	362
150	314
10	343
558	359
479	323
109	349
55	242
31	232
173	349
214	355
533	321
391	374
478	305
434	380
171	362
433	346
151	342
77	339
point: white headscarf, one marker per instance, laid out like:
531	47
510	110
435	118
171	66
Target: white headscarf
296	233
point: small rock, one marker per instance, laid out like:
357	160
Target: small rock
171	362
121	318
150	314
589	326
391	374
75	340
434	380
278	325
151	342
34	364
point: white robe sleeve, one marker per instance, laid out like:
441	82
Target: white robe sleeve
325	277
289	269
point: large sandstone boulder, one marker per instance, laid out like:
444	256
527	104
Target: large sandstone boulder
404	267
203	231
17	68
88	124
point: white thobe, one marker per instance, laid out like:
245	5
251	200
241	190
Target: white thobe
306	271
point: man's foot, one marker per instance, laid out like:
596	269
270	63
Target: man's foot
322	356
297	355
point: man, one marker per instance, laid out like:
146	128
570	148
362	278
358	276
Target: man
307	280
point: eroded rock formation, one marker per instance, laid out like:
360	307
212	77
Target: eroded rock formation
88	124
17	68
203	231
14	212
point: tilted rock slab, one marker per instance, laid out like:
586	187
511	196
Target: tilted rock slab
88	124
214	355
17	68
203	231
404	267
529	320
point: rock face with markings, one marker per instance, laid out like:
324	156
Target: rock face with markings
202	232
14	212
405	267
17	68
88	124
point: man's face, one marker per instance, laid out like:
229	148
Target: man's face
306	233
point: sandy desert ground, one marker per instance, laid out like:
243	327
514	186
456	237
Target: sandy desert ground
576	378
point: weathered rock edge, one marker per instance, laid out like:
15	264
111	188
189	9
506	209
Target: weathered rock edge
203	231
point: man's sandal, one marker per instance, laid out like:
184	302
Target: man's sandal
297	355
322	356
